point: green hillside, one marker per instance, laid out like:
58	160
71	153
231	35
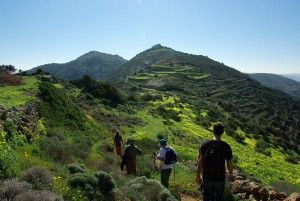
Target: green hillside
197	94
67	125
222	92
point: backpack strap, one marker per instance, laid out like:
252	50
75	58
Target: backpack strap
166	147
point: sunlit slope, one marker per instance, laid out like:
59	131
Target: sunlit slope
186	94
185	136
19	95
215	92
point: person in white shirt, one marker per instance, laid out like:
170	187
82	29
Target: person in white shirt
165	169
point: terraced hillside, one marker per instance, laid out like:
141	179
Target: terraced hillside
223	93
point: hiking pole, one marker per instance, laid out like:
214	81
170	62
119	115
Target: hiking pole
154	165
174	174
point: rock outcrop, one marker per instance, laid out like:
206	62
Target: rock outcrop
250	190
21	119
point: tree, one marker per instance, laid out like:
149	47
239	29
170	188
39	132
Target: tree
9	68
6	76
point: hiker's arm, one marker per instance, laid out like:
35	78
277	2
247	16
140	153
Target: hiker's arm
159	157
200	167
229	167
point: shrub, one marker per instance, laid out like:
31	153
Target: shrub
37	195
75	168
100	90
82	180
261	147
39	177
142	188
58	150
144	171
292	157
10	188
109	158
9	163
9	79
106	148
57	132
168	114
106	182
228	195
81	146
10	129
58	108
86	183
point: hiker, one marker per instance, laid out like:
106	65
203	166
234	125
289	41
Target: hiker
123	162
117	142
130	154
165	169
211	163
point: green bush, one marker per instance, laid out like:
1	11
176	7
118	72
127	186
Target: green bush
142	188
87	184
75	168
106	183
10	130
109	158
100	90
58	108
82	180
292	159
168	113
261	147
228	195
9	162
58	150
144	171
39	177
81	146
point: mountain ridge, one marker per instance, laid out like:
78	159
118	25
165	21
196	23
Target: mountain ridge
92	63
280	82
215	88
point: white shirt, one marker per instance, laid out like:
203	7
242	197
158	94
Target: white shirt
162	153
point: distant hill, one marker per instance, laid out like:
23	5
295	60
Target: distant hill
280	82
294	76
94	64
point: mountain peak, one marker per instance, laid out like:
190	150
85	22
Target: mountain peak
93	54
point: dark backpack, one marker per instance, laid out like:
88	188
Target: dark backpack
171	156
214	160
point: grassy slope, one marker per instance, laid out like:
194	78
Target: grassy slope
19	95
266	168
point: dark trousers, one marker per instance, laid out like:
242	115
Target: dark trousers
131	167
164	177
212	190
118	149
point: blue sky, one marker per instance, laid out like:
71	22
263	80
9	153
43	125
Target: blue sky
252	36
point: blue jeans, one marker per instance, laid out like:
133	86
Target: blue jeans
164	177
212	190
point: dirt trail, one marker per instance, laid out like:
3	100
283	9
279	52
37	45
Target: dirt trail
188	198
